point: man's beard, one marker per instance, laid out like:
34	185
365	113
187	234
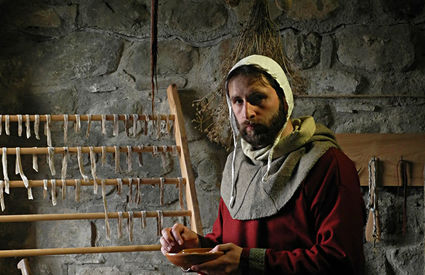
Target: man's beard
264	135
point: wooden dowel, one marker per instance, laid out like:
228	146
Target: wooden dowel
77	250
86	149
142	117
71	182
87	216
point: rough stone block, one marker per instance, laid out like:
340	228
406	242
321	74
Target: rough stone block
78	55
406	260
137	59
302	48
376	48
194	20
128	17
333	82
312	9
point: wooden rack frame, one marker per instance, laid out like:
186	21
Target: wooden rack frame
186	173
142	117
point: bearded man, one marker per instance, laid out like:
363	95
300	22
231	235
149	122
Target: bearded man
290	199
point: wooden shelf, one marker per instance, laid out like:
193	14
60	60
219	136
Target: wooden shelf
389	148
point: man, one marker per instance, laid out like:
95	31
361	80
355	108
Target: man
290	199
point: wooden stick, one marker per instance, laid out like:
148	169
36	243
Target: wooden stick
87	216
110	149
77	250
71	182
185	164
93	117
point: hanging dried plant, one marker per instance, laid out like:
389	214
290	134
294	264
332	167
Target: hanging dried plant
260	36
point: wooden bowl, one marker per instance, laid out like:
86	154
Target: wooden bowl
192	256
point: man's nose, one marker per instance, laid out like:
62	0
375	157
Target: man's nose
249	111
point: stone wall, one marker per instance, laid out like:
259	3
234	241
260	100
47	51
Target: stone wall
92	56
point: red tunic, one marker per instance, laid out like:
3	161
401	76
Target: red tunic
319	231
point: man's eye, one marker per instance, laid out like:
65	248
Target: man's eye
256	99
237	101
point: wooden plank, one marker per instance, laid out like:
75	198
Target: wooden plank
185	165
389	148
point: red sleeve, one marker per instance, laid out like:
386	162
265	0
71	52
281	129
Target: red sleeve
334	201
216	236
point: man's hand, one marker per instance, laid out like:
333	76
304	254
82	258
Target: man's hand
226	264
177	238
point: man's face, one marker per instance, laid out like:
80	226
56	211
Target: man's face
257	109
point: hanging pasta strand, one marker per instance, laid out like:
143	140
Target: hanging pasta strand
135	119
65	128
130	225
103	157
159	221
130	189
138	192
47	130
103	118
64	170
93	169
45	184
119	186
51	153
161	190
19	125
77	189
88	125
4	165
126	126
129	160
77	124
154	151
117	159
7	125
80	164
53	191
180	179
1	194
37	126
105	208
140	156
143	218
119	224
146	124
115	129
174	151
19	170
27	126
64	162
35	162
63	185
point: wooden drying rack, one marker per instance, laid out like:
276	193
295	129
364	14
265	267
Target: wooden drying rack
186	173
